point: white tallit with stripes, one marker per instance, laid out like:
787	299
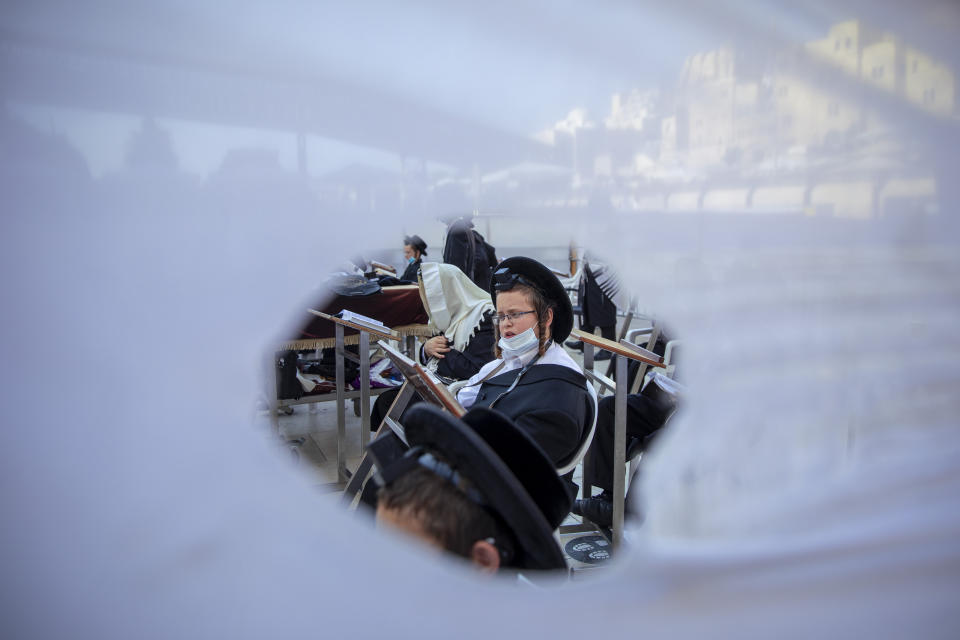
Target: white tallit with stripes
454	303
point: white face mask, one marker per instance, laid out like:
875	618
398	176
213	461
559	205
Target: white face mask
519	344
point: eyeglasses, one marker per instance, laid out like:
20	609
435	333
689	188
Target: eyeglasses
500	318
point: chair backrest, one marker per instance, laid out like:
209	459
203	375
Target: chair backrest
456	385
669	357
670	367
568	465
651	343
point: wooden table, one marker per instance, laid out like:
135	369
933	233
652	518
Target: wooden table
398	307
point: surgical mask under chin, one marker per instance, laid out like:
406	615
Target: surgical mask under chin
519	344
411	260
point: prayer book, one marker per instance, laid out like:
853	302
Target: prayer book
383	267
350	316
427	384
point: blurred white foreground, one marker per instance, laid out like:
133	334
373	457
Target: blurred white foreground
810	488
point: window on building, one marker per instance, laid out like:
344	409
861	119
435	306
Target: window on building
877	72
833	108
782	91
849	42
915	65
836	45
929	95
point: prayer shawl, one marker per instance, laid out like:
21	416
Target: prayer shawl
454	303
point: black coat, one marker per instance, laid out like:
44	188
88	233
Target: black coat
461	365
597	308
551	403
647	412
467	249
410	273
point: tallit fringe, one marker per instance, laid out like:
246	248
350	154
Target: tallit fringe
419	330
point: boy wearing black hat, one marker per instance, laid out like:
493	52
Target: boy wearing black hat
477	487
414	249
533	381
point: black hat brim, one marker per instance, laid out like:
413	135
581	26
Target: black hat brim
547	281
352	285
465	446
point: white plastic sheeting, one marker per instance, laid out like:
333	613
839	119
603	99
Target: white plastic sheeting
811	487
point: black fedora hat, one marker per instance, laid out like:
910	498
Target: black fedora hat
512	474
417	243
521	269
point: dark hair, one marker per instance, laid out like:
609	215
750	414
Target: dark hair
541	304
444	512
417	243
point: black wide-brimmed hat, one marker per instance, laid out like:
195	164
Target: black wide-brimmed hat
352	285
528	271
417	243
514	478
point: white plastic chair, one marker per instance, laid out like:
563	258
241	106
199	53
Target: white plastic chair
569	465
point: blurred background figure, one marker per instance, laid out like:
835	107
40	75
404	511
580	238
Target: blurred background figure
599	286
414	249
468	250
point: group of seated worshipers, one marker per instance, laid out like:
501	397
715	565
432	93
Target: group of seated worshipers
530	406
464	247
533	401
532	380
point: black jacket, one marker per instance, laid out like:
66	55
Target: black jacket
466	248
461	365
410	273
597	308
551	403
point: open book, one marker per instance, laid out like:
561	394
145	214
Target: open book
428	385
359	323
379	266
350	316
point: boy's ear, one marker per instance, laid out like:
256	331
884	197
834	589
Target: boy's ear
485	556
